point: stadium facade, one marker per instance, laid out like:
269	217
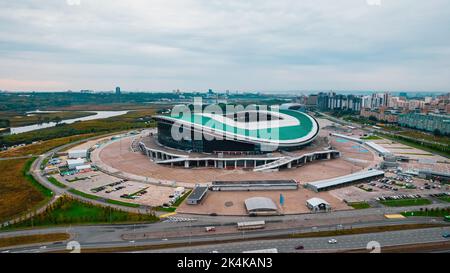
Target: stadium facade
247	131
260	140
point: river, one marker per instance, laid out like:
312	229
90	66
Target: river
98	115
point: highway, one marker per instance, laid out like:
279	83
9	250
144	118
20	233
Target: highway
321	244
108	236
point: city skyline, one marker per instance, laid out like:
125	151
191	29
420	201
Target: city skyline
193	45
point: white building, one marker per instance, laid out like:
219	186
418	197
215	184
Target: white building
83	167
72	164
317	205
77	154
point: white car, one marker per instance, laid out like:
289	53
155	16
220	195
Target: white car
332	241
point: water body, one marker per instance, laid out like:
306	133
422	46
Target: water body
98	115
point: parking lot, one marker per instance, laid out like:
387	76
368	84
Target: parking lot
109	187
391	186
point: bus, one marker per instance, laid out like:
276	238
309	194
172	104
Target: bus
268	250
251	225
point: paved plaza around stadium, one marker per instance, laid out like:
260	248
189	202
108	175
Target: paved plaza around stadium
118	161
118	156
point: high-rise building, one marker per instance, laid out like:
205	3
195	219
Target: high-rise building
118	92
332	101
426	122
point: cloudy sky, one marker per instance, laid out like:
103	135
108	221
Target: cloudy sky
225	44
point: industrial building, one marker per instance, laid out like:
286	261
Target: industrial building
318	205
73	154
328	184
197	195
428	174
263	185
73	163
260	206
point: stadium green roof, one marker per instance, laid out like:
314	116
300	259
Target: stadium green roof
291	127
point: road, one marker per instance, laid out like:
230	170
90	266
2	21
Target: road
321	244
108	236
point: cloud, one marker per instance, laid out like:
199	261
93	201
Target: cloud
226	44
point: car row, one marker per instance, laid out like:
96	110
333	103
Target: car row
398	197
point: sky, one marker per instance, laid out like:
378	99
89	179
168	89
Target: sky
252	45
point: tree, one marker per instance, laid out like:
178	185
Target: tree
437	132
40	120
57	120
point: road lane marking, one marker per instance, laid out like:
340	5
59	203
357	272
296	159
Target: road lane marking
167	215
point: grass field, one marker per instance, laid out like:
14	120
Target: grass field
55	182
42	147
33	239
371	138
429	213
422	135
406	202
85	195
359	205
19	192
67	210
120	203
432	148
445	198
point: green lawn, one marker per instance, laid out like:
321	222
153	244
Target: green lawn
181	199
85	195
445	198
46	192
169	209
55	182
67	210
359	205
430	213
432	148
176	204
120	203
406	202
371	138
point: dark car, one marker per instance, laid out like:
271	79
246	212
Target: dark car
300	247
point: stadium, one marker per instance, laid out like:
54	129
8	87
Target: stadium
251	139
255	131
